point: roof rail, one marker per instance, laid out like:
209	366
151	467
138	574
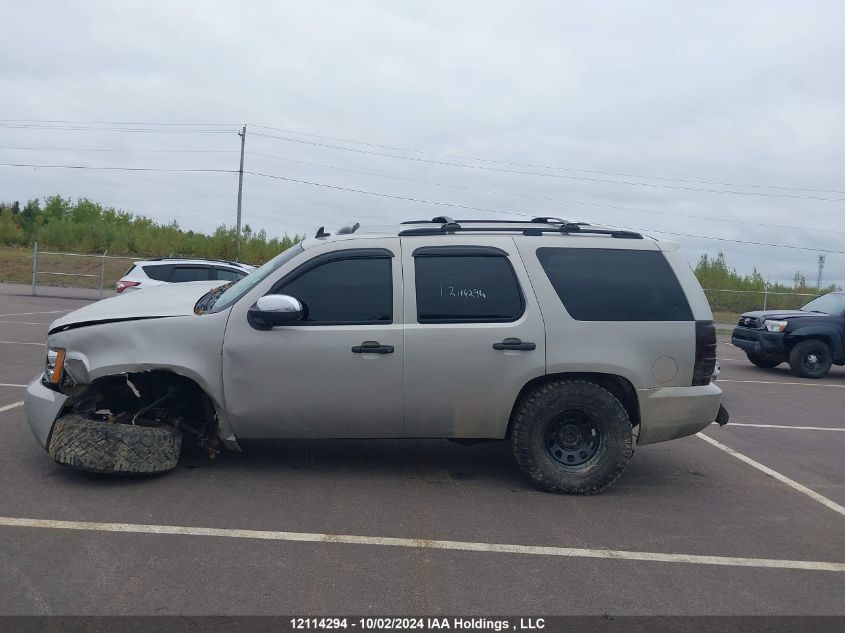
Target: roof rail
540	220
557	226
198	259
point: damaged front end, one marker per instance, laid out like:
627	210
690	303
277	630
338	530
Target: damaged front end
131	423
152	398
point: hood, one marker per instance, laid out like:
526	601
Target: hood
780	315
150	303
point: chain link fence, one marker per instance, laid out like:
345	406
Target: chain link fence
101	272
78	270
727	305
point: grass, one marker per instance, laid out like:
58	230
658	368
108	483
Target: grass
721	316
16	267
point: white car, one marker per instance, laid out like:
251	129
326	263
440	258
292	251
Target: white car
165	270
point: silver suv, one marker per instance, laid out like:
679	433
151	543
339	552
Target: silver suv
571	341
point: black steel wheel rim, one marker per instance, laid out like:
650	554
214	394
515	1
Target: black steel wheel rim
572	438
814	360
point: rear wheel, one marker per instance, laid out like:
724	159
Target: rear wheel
108	447
762	361
810	359
572	436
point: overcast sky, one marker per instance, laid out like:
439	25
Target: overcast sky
718	92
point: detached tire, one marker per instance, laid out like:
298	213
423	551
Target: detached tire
763	362
572	436
810	359
106	447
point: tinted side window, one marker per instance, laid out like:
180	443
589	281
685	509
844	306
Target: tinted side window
457	289
159	273
597	284
358	290
228	274
190	273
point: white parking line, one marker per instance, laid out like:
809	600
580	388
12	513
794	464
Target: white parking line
815	496
385	541
8	384
28	313
785	426
781	382
20	343
25	322
11	406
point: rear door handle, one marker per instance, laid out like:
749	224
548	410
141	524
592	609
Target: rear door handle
372	347
514	343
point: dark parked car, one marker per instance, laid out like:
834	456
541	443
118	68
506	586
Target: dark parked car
811	338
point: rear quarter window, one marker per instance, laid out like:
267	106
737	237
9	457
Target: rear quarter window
158	272
596	284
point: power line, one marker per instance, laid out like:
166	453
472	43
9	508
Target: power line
533	197
105	168
544	175
551	167
408	199
152	123
726	239
122	150
37	124
423	182
113	129
386	195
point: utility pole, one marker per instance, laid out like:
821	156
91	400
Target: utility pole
242	134
821	268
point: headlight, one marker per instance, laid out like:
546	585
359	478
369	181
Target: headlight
55	363
775	326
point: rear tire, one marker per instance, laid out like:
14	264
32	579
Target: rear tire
810	359
760	361
572	436
108	447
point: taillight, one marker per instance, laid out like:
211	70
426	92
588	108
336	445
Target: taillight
123	285
705	352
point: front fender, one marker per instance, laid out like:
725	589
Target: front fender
827	332
186	345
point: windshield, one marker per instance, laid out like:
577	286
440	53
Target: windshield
238	289
833	303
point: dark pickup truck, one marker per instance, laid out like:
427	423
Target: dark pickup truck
811	338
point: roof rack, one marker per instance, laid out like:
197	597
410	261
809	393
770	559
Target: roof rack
554	225
442	219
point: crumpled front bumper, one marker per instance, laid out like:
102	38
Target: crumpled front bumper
42	407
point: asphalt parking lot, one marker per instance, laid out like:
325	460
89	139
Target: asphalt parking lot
431	527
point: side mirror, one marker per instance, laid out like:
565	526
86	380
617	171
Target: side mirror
272	310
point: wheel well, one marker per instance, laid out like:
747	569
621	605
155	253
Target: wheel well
620	387
794	340
158	395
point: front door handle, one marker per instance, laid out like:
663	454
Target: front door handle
516	344
372	347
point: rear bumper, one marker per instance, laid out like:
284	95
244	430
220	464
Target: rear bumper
760	342
668	413
42	407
